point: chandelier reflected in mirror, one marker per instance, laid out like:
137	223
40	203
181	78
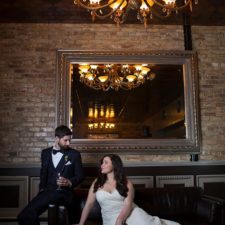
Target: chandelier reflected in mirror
114	76
118	10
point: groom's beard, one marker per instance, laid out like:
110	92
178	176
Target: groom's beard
63	147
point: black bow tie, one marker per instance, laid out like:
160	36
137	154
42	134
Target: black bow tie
57	151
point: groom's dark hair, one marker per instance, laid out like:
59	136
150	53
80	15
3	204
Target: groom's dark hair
62	131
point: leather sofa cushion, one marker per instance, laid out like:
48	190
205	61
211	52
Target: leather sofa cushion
169	202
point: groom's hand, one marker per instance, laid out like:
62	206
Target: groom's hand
64	182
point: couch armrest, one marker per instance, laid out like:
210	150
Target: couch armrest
209	209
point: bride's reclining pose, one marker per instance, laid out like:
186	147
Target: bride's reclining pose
115	194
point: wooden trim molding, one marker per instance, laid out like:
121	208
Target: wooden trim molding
14	195
184	180
204	179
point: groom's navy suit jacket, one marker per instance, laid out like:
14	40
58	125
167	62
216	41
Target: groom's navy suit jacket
70	167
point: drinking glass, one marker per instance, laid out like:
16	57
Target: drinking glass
59	187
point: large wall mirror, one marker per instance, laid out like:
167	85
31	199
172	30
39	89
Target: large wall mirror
129	102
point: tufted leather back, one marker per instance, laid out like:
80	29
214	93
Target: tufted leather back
163	202
182	204
169	202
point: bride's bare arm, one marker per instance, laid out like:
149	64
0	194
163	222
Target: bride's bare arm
88	205
128	205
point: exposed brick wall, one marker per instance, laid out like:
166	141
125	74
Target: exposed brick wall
210	45
27	80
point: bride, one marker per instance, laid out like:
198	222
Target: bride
115	194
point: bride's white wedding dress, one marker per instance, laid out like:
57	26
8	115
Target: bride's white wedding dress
111	205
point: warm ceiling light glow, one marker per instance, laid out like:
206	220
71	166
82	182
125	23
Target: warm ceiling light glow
102	113
94	2
145	70
114	76
131	78
103	116
94	67
117	4
169	2
143	6
90	112
118	10
107	113
84	68
103	78
138	67
96	113
90	76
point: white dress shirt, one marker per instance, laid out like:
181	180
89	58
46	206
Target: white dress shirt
56	158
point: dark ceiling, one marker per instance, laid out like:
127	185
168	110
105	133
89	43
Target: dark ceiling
207	12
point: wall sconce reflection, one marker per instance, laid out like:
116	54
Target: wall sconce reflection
71	117
92	126
99	116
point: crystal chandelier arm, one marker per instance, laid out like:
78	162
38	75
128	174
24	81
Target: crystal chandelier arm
95	9
80	2
103	16
111	12
143	13
168	7
155	13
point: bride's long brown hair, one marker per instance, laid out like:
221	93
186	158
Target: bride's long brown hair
119	174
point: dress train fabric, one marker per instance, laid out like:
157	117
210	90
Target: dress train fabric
111	205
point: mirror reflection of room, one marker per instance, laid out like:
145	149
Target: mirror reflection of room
127	101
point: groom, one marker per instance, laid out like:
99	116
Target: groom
61	171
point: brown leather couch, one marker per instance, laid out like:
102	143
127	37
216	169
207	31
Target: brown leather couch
187	205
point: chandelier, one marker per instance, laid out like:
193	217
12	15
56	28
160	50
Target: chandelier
114	76
118	9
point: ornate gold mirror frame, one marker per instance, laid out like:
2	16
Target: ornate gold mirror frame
188	62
